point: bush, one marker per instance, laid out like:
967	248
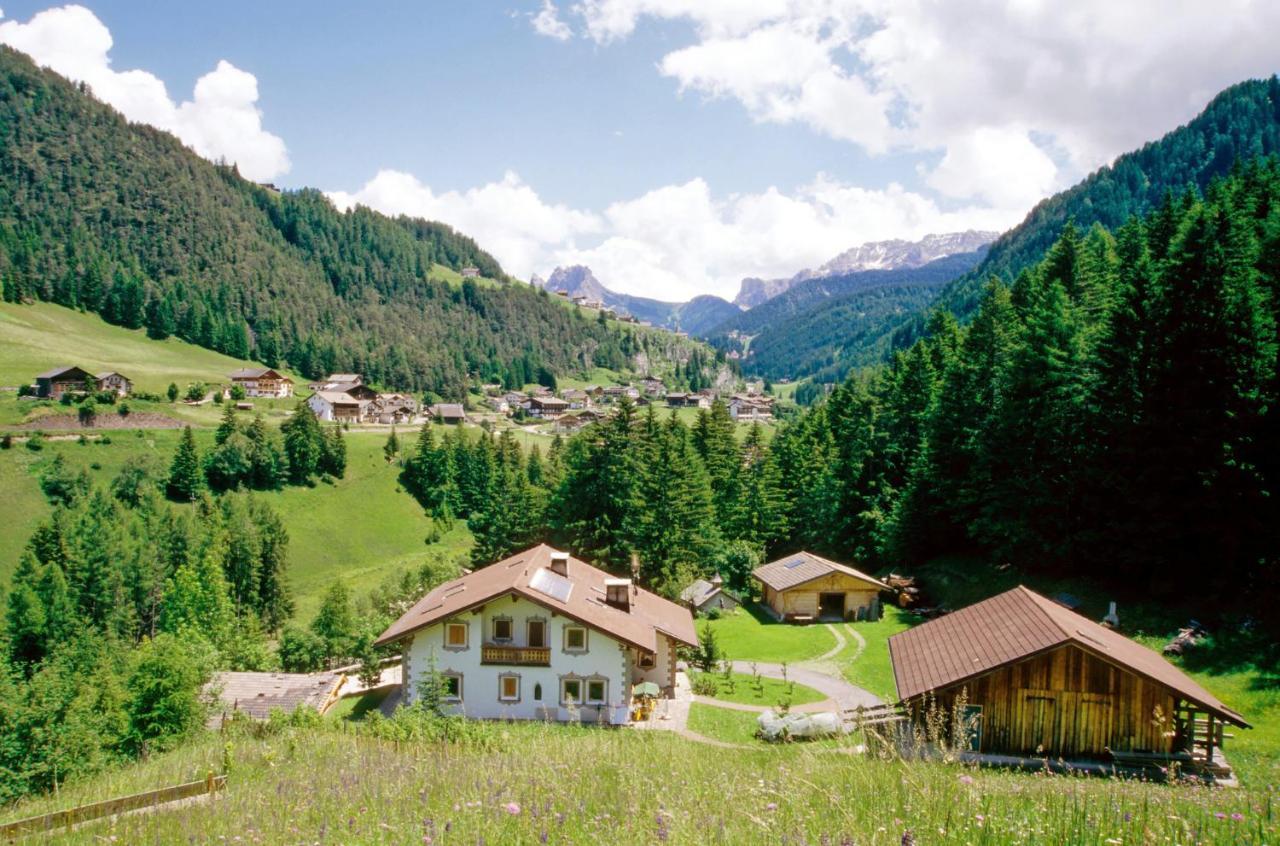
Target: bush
704	684
172	392
88	412
35	443
164	692
26	390
6	441
105	397
123	409
217	397
301	651
237	393
713	614
196	392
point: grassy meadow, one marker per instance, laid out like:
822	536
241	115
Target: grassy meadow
532	783
35	338
359	529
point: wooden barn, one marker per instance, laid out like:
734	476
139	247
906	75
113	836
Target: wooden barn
803	587
1040	680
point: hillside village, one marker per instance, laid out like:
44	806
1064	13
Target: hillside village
321	524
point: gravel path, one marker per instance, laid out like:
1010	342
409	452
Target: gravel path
846	696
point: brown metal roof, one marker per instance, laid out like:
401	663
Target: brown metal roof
805	567
1015	625
639	627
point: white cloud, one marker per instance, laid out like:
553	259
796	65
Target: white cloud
1002	166
547	22
507	217
676	241
1094	77
221	121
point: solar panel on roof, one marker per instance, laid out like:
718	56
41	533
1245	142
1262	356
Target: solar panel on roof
551	584
794	563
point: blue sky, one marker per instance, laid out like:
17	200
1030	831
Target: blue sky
675	146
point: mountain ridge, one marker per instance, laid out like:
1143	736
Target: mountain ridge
892	254
695	317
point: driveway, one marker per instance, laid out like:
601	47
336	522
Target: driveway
845	695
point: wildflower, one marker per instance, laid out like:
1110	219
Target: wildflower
513	809
1237	816
979	817
772	806
426	840
966	779
1219	815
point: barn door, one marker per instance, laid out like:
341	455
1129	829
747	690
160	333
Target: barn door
1093	724
1039	713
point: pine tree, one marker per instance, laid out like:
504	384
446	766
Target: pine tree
186	476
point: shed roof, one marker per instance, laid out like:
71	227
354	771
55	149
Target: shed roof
256	694
257	373
448	409
339	398
1019	624
59	371
804	567
583	599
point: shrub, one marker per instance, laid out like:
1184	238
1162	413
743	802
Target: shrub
196	391
123	409
704	684
237	393
35	443
6	441
88	412
172	392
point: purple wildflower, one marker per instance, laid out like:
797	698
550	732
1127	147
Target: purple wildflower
513	809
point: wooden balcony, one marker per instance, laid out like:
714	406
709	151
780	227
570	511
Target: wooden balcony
518	656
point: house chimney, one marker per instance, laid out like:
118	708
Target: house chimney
716	580
617	593
1111	620
560	563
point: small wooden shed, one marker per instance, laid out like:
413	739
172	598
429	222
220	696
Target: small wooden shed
1040	680
805	587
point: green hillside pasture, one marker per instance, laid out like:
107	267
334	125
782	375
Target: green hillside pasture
35	338
335	783
358	529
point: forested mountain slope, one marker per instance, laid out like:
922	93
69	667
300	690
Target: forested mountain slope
123	220
823	327
1111	415
1242	122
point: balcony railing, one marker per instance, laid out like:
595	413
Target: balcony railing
525	656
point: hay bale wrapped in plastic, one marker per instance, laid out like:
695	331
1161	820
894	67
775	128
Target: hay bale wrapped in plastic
774	727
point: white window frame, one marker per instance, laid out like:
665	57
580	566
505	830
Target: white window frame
502	679
564	697
576	650
454	697
604	695
466	635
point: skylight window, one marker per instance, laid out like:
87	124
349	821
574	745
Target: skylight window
551	584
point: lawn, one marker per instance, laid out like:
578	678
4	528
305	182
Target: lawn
871	669
723	723
746	690
751	635
335	784
354	708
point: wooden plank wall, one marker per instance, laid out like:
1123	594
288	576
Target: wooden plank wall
1067	702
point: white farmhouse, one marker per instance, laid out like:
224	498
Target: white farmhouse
541	636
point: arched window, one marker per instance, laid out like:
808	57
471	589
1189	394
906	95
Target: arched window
537	692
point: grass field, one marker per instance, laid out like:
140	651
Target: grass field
35	338
751	635
746	690
533	783
724	724
358	529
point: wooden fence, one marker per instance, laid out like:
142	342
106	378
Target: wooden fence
73	816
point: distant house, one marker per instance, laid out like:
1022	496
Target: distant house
683	400
1040	680
450	413
337	407
345	379
576	398
500	405
703	595
613	393
52	384
256	695
541	636
470	272
746	408
114	382
570	423
393	408
654	387
804	587
547	408
262	382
